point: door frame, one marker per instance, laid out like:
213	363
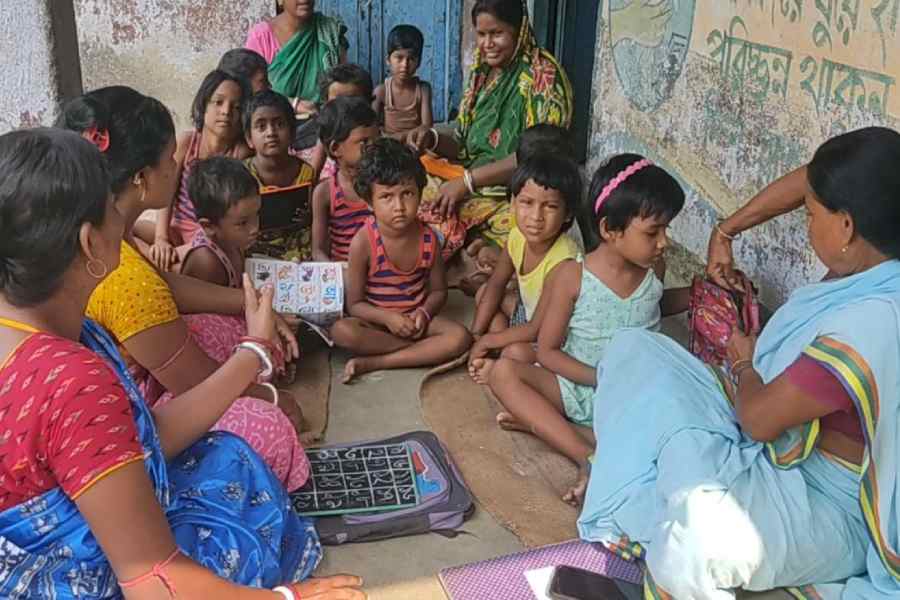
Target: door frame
560	26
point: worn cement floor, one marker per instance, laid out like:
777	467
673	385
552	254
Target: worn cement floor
381	405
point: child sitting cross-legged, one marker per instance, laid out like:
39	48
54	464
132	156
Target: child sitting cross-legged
226	199
617	285
545	191
347	125
396	283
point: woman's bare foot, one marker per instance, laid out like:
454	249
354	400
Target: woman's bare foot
356	367
575	495
507	422
480	370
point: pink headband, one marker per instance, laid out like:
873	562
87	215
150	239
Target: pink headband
619	180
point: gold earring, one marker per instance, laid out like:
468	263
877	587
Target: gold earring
141	183
844	250
92	271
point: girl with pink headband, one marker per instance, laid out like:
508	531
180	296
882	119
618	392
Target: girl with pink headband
617	285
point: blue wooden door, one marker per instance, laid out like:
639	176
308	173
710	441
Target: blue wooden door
370	21
355	14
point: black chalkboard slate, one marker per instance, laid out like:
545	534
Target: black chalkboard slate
357	479
286	208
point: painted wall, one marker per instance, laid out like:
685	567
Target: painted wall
43	69
161	47
730	94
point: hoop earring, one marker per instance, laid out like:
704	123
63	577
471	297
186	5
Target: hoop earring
91	269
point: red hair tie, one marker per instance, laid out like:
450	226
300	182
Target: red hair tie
98	137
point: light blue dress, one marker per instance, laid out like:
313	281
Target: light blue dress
599	313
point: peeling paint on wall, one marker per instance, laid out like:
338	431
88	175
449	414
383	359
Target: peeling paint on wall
161	47
30	96
728	95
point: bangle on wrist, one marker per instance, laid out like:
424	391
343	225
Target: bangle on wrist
437	139
266	367
470	181
286	593
422	310
274	391
739	366
729	237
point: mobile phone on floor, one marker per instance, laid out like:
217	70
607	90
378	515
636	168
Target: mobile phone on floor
571	583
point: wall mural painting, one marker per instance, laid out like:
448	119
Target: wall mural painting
649	41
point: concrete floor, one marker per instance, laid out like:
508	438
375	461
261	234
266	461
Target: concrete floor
381	405
384	404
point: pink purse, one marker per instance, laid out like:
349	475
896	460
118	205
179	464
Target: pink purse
715	312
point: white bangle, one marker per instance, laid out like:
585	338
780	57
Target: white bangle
267	367
286	593
470	181
437	139
274	391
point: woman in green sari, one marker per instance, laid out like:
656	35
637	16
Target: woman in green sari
513	85
299	44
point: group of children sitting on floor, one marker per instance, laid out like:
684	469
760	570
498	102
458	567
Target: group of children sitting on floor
548	309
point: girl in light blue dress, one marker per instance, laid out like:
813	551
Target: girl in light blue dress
618	285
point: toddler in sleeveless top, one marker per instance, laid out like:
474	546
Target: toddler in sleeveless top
347	125
403	101
545	190
617	285
226	199
396	284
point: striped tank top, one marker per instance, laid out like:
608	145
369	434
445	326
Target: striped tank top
201	240
345	218
390	288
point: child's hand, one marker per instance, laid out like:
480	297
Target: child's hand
401	325
479	349
421	322
162	254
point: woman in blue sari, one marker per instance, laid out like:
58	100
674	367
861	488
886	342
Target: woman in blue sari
99	497
784	473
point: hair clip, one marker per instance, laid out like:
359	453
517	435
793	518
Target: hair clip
618	180
98	137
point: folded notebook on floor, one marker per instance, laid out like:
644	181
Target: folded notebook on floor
505	576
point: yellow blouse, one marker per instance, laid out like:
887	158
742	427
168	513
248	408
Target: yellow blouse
133	298
306	175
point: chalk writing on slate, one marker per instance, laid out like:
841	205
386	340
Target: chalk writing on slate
357	479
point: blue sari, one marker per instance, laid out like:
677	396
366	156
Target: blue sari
227	510
677	482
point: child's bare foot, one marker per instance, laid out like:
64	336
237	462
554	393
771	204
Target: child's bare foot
356	367
575	495
480	370
507	422
475	247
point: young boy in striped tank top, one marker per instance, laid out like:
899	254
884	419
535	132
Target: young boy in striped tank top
396	282
346	127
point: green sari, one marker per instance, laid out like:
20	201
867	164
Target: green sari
532	89
296	69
